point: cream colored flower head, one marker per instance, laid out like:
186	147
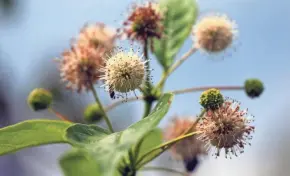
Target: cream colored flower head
214	33
124	71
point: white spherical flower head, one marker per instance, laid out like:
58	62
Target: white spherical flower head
214	33
124	71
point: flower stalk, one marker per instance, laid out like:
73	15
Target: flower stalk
148	86
60	116
176	92
162	148
102	109
167	73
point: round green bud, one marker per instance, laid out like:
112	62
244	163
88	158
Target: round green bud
39	99
253	87
93	113
211	99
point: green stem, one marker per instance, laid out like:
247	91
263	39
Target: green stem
148	106
177	92
167	73
102	109
147	65
161	148
194	89
148	168
148	86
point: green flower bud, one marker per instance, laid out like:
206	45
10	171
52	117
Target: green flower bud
39	99
253	87
93	113
211	99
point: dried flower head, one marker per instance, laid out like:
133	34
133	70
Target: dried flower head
124	71
226	128
97	36
80	67
188	149
214	33
144	22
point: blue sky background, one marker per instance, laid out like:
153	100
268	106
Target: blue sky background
263	50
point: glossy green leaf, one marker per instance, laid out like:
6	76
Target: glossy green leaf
109	150
32	133
179	17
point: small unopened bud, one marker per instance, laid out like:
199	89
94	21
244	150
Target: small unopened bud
93	113
39	99
211	99
254	88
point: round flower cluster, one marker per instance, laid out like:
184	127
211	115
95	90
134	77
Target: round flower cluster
124	72
144	22
98	36
227	128
214	33
80	66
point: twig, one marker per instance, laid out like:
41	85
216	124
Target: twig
161	148
60	116
195	89
175	66
177	92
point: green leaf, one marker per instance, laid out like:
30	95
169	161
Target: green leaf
150	141
80	134
78	162
32	133
109	150
180	16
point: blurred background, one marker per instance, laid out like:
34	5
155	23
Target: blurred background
33	32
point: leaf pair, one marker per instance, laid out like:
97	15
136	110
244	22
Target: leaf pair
109	151
95	152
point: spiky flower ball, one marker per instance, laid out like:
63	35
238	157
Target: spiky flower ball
214	33
189	149
211	99
124	71
80	67
93	113
254	87
227	128
144	22
39	99
98	36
